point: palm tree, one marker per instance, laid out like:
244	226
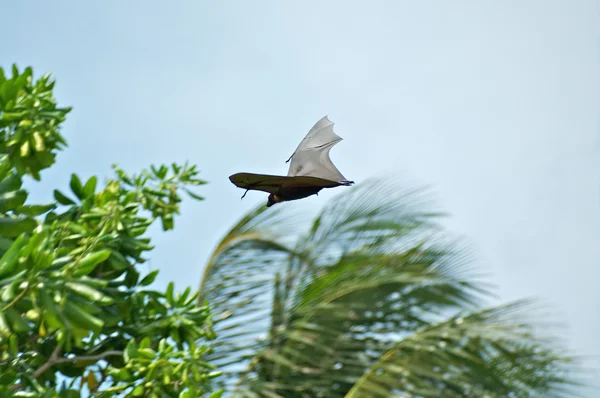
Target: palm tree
368	300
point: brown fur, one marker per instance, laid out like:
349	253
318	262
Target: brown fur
273	199
292	193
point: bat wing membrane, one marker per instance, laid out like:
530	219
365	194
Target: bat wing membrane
311	158
275	184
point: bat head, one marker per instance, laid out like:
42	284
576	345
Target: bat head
273	199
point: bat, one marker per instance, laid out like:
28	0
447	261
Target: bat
311	169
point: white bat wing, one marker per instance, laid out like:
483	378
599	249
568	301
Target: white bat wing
311	158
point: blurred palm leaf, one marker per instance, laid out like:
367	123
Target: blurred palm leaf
369	301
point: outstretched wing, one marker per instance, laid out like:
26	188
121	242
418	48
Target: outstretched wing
311	158
275	184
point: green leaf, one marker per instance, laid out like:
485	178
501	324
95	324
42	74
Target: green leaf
11	183
89	293
130	351
5	244
148	279
38	142
138	391
193	195
9	261
147	353
88	263
167	222
93	282
90	187
145	343
91	381
10	292
13	116
175	335
162	345
4	329
25	149
169	293
216	394
14	226
13	345
5	166
78	316
117	261
52	315
62	199
183	297
124	374
131	278
76	186
16	322
12	200
35	210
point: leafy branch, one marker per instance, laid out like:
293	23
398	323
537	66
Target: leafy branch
71	293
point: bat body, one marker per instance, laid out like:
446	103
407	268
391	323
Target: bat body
311	169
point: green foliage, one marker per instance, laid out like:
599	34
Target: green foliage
72	300
370	300
29	121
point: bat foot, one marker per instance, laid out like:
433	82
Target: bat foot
244	194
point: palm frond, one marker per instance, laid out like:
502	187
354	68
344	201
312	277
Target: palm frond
238	281
374	213
371	300
492	352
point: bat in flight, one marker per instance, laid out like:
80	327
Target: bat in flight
310	170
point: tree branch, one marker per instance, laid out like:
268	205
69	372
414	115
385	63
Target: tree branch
51	361
16	299
113	353
54	359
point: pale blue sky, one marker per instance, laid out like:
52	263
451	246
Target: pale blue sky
495	104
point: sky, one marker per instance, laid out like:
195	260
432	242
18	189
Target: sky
493	104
